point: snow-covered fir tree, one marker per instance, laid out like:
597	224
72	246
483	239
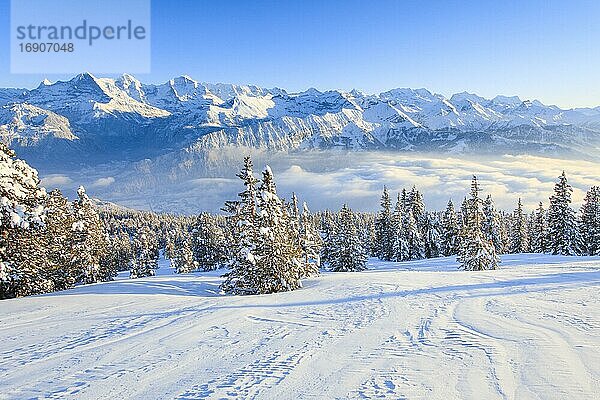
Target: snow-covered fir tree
369	238
183	258
431	231
365	225
590	222
417	206
463	216
119	254
327	234
243	277
294	214
310	243
450	230
416	203
413	248
208	243
505	229
59	248
408	238
25	271
22	256
347	252
146	253
399	245
491	226
563	235
278	254
404	199
539	230
267	256
89	241
384	229
519	238
171	238
476	252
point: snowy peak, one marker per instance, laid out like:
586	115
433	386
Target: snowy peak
187	113
225	103
508	101
29	124
185	88
131	86
86	97
467	97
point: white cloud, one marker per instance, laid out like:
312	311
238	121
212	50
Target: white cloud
326	180
54	180
213	181
360	177
103	182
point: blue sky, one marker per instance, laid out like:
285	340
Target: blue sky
535	49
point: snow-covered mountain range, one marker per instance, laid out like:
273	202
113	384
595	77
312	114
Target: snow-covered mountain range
90	120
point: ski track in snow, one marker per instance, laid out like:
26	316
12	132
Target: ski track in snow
416	330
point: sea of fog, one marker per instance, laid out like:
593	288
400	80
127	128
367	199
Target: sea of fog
326	180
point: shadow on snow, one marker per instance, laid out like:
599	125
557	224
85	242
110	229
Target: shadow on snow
200	285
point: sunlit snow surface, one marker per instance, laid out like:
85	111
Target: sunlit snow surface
416	330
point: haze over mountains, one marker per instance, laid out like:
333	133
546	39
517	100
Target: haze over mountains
141	135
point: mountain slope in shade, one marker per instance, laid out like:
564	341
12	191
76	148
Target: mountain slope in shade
94	121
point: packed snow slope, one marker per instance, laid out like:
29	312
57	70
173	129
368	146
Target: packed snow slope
415	330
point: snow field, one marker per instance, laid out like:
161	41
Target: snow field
414	330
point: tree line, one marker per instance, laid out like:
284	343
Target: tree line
266	243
